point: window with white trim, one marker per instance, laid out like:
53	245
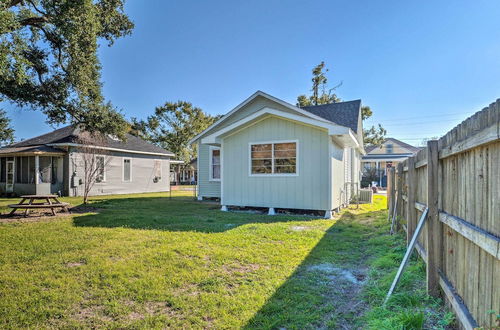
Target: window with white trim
215	164
100	173
127	169
157	170
273	158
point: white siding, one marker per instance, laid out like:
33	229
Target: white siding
338	176
143	174
206	188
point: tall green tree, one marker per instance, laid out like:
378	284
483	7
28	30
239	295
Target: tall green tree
6	130
321	94
172	126
48	59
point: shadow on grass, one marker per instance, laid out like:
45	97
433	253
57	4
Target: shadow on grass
172	214
325	290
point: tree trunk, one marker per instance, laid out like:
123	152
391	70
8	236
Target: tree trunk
178	175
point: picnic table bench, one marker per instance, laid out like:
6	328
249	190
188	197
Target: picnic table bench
33	202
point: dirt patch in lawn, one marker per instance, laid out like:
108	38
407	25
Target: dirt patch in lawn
75	264
93	312
344	288
241	268
333	273
33	216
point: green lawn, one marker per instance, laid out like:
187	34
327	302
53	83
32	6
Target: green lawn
142	261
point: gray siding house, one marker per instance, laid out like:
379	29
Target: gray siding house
53	164
269	153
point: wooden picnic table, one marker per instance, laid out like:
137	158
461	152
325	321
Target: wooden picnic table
39	202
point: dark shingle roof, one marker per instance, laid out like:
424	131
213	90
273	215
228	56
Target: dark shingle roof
70	134
341	113
31	150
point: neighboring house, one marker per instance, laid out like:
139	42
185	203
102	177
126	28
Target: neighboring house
188	173
379	158
53	163
269	153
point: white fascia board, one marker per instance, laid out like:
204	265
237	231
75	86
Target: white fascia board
348	140
374	160
110	149
248	100
333	129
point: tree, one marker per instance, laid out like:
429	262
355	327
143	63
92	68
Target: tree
93	161
374	136
48	59
6	131
321	94
172	126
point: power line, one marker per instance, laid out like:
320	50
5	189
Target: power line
405	123
426	116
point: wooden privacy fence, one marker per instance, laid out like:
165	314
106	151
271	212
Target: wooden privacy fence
458	179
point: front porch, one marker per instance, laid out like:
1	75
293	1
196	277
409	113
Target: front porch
31	170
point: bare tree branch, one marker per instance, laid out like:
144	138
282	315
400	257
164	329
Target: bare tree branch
36	8
90	164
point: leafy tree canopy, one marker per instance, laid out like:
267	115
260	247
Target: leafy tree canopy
321	94
48	58
6	131
172	126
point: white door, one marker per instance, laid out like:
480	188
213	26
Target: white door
9	187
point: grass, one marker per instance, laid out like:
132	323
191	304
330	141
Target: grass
147	261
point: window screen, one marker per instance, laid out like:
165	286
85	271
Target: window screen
46	169
100	176
127	170
2	169
215	164
274	158
19	172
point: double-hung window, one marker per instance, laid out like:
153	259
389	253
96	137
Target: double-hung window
100	173
214	164
276	158
127	169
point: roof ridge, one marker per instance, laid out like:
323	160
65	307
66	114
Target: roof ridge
324	104
404	144
39	136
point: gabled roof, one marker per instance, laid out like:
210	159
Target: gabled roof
300	111
70	135
393	140
341	113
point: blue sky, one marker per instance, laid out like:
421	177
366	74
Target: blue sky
423	66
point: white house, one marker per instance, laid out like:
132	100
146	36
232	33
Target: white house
269	153
53	163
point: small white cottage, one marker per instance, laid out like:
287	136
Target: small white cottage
269	153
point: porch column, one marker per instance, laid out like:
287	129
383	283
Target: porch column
37	170
377	166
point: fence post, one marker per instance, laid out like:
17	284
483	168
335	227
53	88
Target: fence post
390	189
434	226
411	219
399	188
